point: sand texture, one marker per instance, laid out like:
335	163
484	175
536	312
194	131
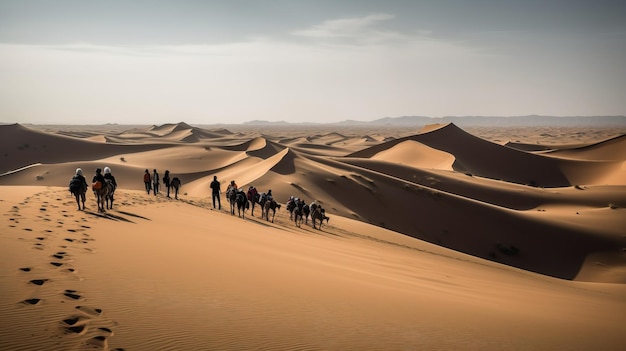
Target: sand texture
438	238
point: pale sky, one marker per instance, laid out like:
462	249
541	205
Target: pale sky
205	62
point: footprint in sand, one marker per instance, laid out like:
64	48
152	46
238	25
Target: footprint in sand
39	245
72	294
31	301
75	325
38	281
60	255
25	269
99	341
93	312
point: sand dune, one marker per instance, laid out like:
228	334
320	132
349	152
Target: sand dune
417	155
437	240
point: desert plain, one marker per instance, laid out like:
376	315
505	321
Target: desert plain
438	238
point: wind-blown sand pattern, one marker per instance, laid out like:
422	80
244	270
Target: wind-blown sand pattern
438	239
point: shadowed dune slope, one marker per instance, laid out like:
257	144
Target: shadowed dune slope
22	146
464	217
270	149
250	145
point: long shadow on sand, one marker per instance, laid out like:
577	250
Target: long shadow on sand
109	216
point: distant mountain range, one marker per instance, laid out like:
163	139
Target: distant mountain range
476	121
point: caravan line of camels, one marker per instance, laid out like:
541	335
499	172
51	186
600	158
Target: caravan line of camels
104	186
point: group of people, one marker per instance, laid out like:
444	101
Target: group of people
252	194
151	182
98	180
78	184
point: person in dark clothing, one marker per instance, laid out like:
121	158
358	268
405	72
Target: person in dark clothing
108	175
166	182
147	181
155	182
98	178
216	190
78	187
81	178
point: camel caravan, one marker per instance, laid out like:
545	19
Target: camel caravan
104	185
299	211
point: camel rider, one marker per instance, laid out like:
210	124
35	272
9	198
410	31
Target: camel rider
108	175
252	193
314	205
98	178
269	195
80	178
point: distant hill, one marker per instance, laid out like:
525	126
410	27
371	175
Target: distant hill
478	121
534	120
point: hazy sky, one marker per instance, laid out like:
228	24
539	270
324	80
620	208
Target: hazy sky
233	61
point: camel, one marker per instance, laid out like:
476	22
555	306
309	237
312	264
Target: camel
306	210
78	188
254	197
318	214
104	196
270	205
175	184
241	201
262	200
231	195
297	213
237	199
291	204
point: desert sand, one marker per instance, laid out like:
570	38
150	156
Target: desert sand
439	238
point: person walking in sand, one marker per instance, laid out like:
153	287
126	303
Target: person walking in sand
147	181
215	191
155	182
166	181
